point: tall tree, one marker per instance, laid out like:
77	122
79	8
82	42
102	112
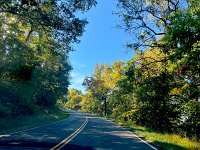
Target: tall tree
36	37
146	20
171	27
74	99
182	42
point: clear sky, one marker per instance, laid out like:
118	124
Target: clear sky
101	42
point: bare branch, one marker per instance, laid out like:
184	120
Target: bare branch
27	38
153	14
145	26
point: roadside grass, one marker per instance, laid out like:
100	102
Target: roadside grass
162	141
8	125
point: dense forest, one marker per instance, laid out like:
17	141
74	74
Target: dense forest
159	87
35	40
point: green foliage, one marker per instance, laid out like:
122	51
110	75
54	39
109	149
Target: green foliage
146	20
101	85
191	124
162	80
88	103
35	39
74	99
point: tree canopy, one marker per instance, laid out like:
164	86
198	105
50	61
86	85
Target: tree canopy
36	37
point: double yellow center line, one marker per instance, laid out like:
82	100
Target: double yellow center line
69	138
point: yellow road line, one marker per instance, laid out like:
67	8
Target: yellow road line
69	138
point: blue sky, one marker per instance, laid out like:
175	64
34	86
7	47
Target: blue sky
101	42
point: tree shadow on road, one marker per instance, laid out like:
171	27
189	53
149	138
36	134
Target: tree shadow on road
25	144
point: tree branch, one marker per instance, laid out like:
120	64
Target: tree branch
155	33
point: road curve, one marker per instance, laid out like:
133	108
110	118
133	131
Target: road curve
80	131
44	137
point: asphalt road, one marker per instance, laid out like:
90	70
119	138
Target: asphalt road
78	132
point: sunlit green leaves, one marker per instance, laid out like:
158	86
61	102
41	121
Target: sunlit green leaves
35	39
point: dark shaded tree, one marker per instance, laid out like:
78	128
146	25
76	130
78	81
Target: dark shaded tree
35	39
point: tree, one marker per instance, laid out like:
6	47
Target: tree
102	84
165	72
146	20
53	17
99	91
36	37
88	103
74	99
182	42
